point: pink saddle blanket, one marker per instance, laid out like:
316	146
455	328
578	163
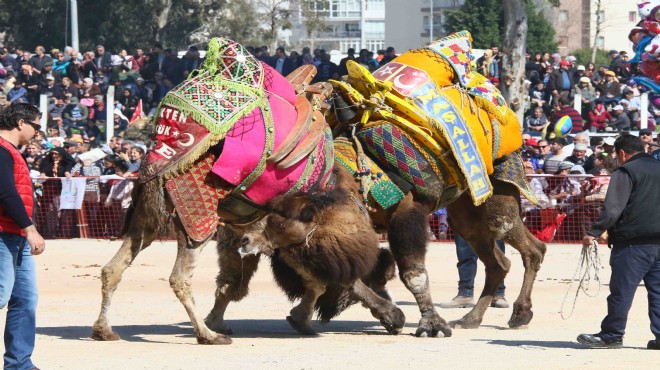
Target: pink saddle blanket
244	144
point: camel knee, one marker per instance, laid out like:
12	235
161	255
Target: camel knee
181	287
416	281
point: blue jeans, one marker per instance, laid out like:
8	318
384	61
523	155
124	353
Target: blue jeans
467	267
630	265
18	288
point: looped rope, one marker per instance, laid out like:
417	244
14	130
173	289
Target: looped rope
589	260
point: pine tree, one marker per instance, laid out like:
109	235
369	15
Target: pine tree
541	35
483	18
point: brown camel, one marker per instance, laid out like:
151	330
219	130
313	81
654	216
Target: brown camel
323	251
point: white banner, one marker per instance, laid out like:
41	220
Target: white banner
73	192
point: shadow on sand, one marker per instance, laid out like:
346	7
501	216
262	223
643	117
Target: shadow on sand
533	343
242	329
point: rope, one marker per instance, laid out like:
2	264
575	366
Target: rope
589	260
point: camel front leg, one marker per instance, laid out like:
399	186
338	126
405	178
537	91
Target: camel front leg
111	275
181	282
233	279
384	310
407	236
300	317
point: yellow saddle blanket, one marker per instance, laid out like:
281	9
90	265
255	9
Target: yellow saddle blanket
432	94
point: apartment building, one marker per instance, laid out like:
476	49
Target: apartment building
358	24
408	23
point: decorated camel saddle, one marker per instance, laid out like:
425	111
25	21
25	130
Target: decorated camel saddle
234	135
426	116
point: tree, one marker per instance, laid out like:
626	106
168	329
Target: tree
115	24
275	16
513	49
315	13
483	18
541	36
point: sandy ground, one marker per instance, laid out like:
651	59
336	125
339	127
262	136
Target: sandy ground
156	333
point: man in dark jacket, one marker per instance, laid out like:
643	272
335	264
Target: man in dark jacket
630	217
281	62
561	81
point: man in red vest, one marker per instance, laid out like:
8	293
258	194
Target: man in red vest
19	239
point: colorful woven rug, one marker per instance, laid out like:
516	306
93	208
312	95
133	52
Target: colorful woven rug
195	195
511	169
380	189
394	151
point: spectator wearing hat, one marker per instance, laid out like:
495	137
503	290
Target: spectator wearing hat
609	89
656	152
579	155
565	188
533	154
598	118
618	64
48	88
621	120
588	96
646	136
46	71
535	122
75	114
580	72
561	81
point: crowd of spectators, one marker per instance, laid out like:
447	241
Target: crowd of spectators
76	85
609	97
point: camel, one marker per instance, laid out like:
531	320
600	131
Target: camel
406	223
323	251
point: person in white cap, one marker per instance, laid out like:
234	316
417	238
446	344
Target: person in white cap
587	95
621	120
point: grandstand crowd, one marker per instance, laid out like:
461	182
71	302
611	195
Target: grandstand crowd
76	86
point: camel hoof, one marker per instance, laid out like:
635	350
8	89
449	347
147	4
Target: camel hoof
520	319
464	324
215	340
304	329
219	327
105	335
432	326
394	321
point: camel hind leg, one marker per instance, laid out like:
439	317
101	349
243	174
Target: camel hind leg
498	218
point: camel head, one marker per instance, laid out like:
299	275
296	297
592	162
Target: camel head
255	240
293	219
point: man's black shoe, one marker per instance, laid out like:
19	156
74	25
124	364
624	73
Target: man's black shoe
595	341
653	344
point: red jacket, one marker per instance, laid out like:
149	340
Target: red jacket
24	187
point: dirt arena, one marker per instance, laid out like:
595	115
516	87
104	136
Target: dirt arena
156	333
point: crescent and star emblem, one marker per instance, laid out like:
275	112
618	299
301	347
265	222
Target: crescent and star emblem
191	140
